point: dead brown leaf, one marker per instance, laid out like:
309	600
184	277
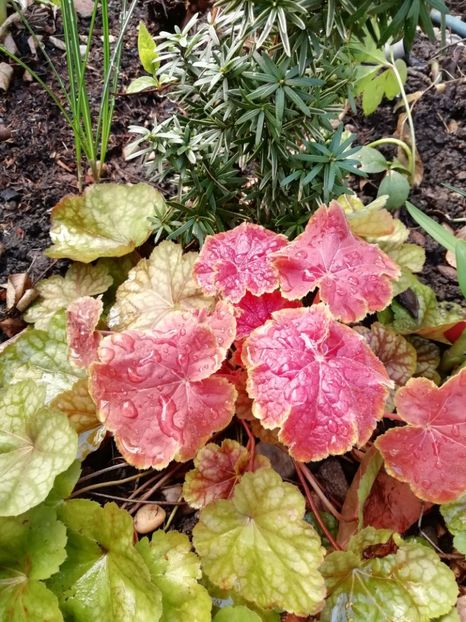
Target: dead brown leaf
402	132
6	73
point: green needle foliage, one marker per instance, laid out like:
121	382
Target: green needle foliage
259	86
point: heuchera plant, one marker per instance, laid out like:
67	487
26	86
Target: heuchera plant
251	327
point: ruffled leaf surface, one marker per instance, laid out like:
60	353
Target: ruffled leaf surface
104	577
218	468
57	292
354	277
398	356
380	577
41	356
82	317
253	311
427	453
156	392
317	380
427	357
259	544
175	570
107	220
236	614
455	518
367	221
157	286
36	444
32	547
80	409
239	261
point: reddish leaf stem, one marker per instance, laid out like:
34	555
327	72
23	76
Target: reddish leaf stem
317	489
251	447
313	507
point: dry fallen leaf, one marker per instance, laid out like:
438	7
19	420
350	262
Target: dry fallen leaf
6	73
450	256
16	286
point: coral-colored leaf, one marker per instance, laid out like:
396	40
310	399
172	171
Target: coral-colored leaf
354	277
430	452
156	392
156	287
217	471
82	317
398	356
238	377
222	322
316	379
253	311
239	261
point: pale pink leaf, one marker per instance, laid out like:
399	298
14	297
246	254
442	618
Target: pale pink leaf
239	261
222	322
354	277
82	317
430	452
217	471
253	311
317	380
157	393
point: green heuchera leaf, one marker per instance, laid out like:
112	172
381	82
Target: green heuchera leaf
41	356
32	547
452	616
147	49
103	578
107	220
64	485
175	570
455	517
259	544
236	614
36	444
58	292
380	577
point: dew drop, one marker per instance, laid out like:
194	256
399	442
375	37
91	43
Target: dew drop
128	409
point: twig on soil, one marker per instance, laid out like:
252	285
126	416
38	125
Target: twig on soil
115	482
94	474
155	487
4	28
142	501
317	489
313	507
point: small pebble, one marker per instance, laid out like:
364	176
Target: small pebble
149	517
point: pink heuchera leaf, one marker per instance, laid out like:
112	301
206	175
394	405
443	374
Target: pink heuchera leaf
253	311
430	452
317	380
354	276
238	377
222	322
82	317
157	393
239	261
217	471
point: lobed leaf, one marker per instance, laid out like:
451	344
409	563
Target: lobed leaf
32	548
103	577
218	469
156	392
317	380
239	261
82	317
36	444
397	354
107	220
57	292
426	453
259	544
380	577
253	311
367	221
354	276
454	514
156	287
175	570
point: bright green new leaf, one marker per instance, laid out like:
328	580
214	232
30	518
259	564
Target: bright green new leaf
371	160
147	50
64	485
41	356
32	547
103	578
107	220
380	577
396	186
157	286
460	256
175	570
141	84
259	544
455	518
236	614
452	616
36	444
57	292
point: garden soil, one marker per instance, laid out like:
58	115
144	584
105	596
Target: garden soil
37	163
